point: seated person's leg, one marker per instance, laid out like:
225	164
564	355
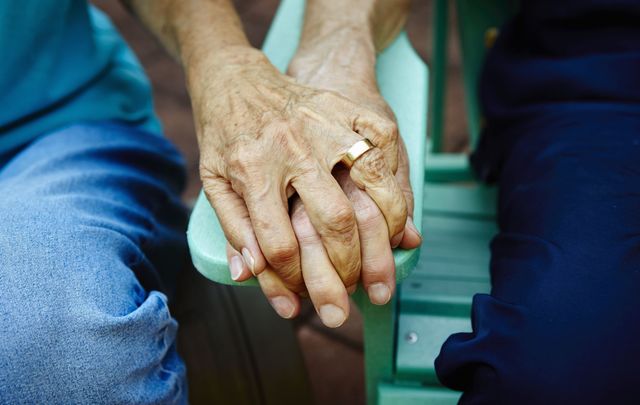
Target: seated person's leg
91	227
561	323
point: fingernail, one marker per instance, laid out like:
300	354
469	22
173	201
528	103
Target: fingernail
331	315
413	228
379	293
283	306
395	241
248	258
236	267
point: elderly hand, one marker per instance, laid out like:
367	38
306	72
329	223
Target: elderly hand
262	137
324	286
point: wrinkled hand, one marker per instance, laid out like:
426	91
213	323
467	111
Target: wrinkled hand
264	137
328	293
326	290
378	268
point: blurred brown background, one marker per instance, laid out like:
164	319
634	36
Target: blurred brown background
333	358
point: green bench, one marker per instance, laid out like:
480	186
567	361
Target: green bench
402	339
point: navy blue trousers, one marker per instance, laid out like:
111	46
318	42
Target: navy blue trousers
562	323
561	93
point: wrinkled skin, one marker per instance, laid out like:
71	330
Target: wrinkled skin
377	266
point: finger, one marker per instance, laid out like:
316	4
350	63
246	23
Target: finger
285	302
370	173
378	267
234	219
326	289
237	265
411	238
272	226
382	132
333	218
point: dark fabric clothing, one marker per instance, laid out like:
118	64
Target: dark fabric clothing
571	56
561	96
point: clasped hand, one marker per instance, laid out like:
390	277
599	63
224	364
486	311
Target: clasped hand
294	217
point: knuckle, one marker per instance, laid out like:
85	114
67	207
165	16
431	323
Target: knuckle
388	128
372	165
349	266
340	219
242	164
303	228
368	215
213	191
390	151
210	176
377	267
205	170
322	284
375	270
282	253
384	130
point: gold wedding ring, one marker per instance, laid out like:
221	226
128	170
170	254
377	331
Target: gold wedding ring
356	151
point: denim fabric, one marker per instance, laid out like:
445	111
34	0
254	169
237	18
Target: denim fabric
91	238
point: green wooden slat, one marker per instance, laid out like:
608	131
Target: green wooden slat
448	224
431	310
459	221
439	296
474	17
416	395
456	240
420	338
435	300
452	270
471	200
438	86
446	254
456	249
379	336
447	167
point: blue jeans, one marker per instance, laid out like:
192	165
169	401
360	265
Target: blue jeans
91	238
